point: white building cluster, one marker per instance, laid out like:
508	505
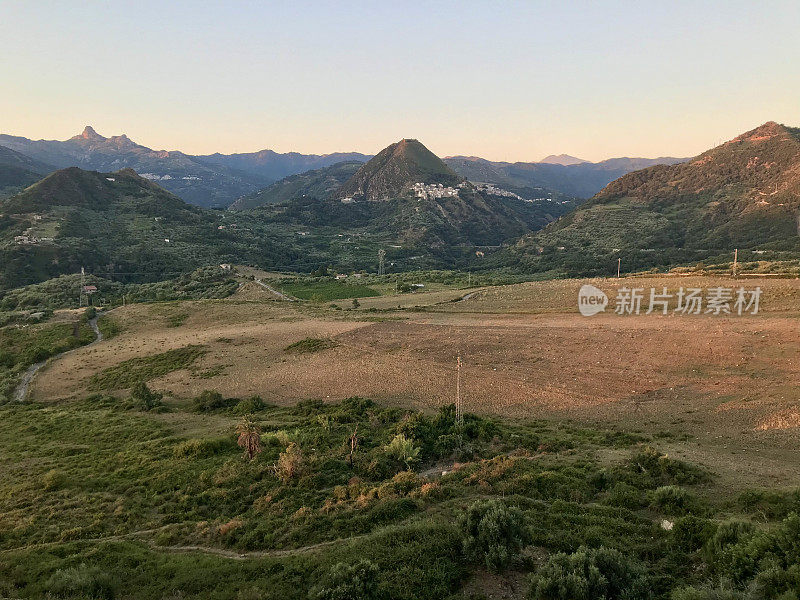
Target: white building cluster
428	191
496	191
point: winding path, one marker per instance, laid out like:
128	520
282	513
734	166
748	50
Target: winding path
21	392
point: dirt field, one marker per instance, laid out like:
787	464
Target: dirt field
725	389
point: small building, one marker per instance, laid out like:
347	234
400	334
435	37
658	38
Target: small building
225	267
89	289
341	276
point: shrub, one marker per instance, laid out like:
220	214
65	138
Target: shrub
675	501
83	581
209	400
143	398
249	405
53	480
290	464
202	448
665	470
492	533
707	593
727	534
600	574
691	533
349	582
402	450
770	555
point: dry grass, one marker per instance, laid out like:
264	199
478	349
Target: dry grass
527	353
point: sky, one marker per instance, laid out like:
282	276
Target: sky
502	80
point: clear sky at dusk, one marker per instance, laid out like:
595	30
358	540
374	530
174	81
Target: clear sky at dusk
502	80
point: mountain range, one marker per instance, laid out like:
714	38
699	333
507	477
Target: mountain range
214	180
219	180
742	194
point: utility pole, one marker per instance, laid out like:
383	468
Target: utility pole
735	270
83	287
459	404
619	266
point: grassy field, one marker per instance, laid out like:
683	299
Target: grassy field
23	344
117	502
644	434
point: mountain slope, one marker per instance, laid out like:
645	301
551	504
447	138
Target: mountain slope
18	171
742	194
318	183
395	169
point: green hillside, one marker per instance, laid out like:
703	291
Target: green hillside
121	226
743	194
318	183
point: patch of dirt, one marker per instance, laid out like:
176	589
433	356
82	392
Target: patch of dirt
785	419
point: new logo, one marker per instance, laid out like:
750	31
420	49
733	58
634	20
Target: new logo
591	300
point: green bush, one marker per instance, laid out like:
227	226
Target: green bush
691	533
675	501
203	448
91	582
492	533
661	469
210	400
600	574
708	593
402	450
249	405
344	581
143	398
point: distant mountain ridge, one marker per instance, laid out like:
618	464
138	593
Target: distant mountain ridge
214	180
531	180
317	183
562	159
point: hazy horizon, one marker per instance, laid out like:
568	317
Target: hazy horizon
514	83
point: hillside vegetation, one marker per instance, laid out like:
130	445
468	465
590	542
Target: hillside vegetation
743	194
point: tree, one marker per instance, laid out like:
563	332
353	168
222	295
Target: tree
492	533
403	449
249	438
356	303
